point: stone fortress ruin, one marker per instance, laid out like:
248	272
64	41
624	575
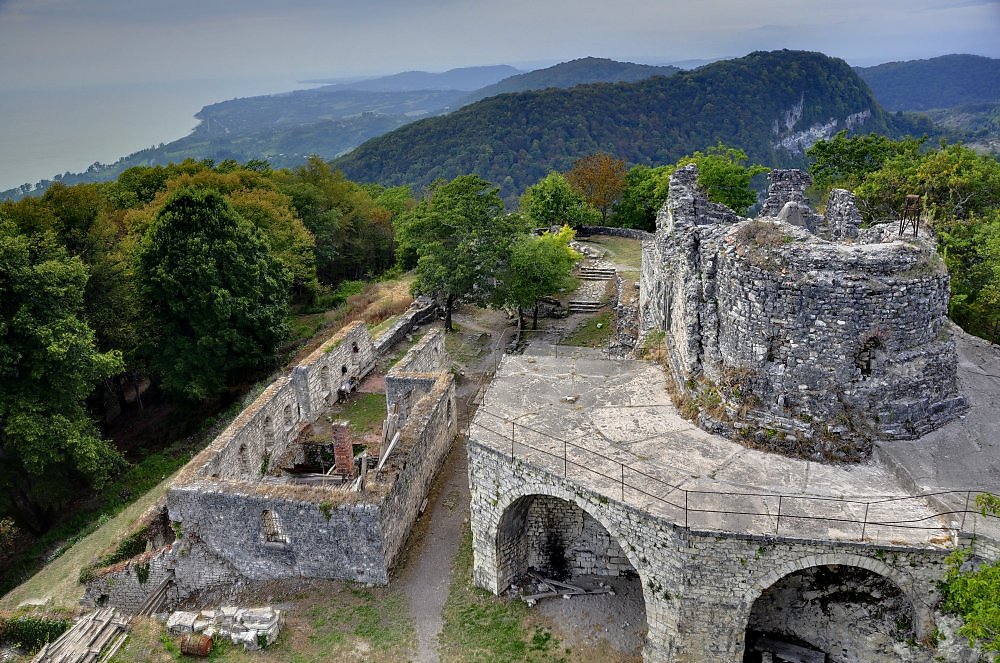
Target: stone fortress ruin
793	332
803	333
287	491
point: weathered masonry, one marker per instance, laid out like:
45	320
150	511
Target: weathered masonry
700	588
805	332
237	510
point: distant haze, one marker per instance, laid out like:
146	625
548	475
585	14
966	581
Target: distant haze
89	81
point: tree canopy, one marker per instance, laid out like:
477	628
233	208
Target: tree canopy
600	179
553	202
49	364
216	295
461	238
537	267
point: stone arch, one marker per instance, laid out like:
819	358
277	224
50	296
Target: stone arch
508	499
923	618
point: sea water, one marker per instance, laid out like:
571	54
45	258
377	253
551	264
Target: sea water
44	132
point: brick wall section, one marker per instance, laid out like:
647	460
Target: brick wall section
343	449
699	587
828	341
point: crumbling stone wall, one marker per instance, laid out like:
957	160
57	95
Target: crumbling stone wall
239	521
265	429
424	442
814	346
414	375
699	588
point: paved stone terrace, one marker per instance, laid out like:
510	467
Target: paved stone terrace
610	425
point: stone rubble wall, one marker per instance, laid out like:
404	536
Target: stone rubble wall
832	343
265	429
413	376
611	231
424	442
422	310
228	518
699	588
240	522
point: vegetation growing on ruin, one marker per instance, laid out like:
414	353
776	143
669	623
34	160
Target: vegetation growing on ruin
960	198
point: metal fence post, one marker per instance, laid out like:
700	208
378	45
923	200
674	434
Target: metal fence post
565	461
777	521
623	481
968	498
686	510
864	525
512	441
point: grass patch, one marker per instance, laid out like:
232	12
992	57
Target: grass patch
594	333
366	412
480	627
621	250
305	326
332	622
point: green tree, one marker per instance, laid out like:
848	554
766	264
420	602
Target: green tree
214	292
645	192
461	238
552	202
537	267
49	364
844	161
724	176
600	179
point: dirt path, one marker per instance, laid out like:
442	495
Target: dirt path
426	574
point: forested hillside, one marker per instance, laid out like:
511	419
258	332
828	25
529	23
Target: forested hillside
462	78
773	105
570	74
942	82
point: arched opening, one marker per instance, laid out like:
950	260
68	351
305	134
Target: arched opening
829	613
542	538
343	370
354	347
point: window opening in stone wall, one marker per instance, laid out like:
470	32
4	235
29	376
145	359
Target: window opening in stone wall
242	453
774	349
271	527
449	412
354	347
343	370
288	416
869	357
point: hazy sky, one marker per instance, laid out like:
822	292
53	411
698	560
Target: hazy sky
93	80
52	43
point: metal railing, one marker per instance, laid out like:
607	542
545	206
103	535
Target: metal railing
763	513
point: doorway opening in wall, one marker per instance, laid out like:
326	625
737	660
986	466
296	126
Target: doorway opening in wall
829	614
549	548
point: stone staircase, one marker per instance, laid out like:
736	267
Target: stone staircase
589	297
587	273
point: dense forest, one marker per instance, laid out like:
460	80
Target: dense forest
942	82
170	285
570	74
753	102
